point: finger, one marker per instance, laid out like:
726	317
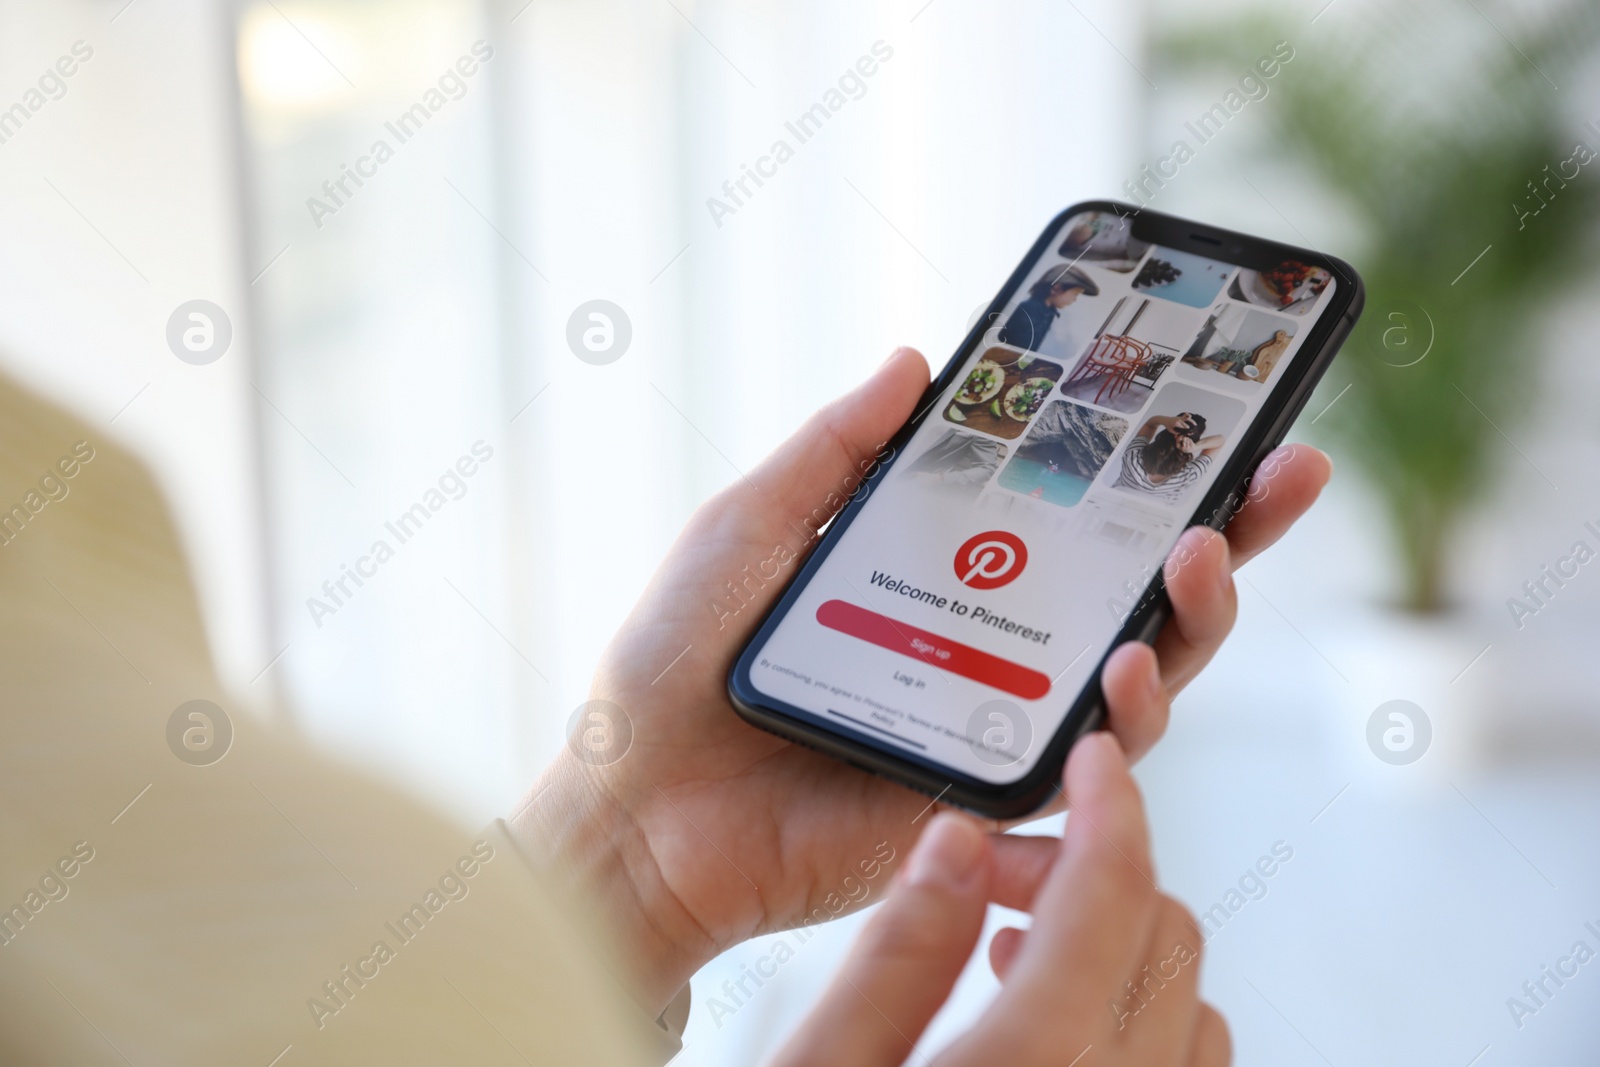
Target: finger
909	956
1213	1046
1199	581
1137	705
1003	949
1097	907
1139	709
1283	487
811	474
1021	864
1157	1012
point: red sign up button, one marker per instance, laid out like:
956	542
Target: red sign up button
934	650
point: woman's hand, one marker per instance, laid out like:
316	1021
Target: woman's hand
1108	975
709	831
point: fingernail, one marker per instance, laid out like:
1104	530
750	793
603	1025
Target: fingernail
1224	568
1153	679
1195	541
946	855
1188	546
1096	739
1103	738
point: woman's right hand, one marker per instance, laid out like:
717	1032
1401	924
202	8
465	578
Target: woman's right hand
1107	976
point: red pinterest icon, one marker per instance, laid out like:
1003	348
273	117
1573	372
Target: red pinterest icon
990	560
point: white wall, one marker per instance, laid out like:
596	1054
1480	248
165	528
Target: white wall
119	202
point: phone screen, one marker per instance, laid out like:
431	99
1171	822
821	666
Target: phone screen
976	592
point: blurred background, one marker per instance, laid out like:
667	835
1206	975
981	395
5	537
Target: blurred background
384	327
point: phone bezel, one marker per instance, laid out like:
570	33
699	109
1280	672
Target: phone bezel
1004	800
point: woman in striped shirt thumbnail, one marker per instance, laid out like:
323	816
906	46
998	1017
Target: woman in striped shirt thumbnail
1168	455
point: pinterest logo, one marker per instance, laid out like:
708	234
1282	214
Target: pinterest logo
990	560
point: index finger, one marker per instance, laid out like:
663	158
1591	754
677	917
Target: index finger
1284	486
1095	912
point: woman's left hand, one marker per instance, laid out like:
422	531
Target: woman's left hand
710	831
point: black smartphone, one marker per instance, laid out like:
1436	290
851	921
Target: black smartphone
949	629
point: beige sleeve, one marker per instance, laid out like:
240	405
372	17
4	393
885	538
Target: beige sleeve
271	907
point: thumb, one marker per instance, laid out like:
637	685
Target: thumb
907	959
811	474
724	567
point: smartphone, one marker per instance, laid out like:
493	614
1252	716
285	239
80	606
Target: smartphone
949	628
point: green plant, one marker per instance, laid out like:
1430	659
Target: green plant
1427	127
